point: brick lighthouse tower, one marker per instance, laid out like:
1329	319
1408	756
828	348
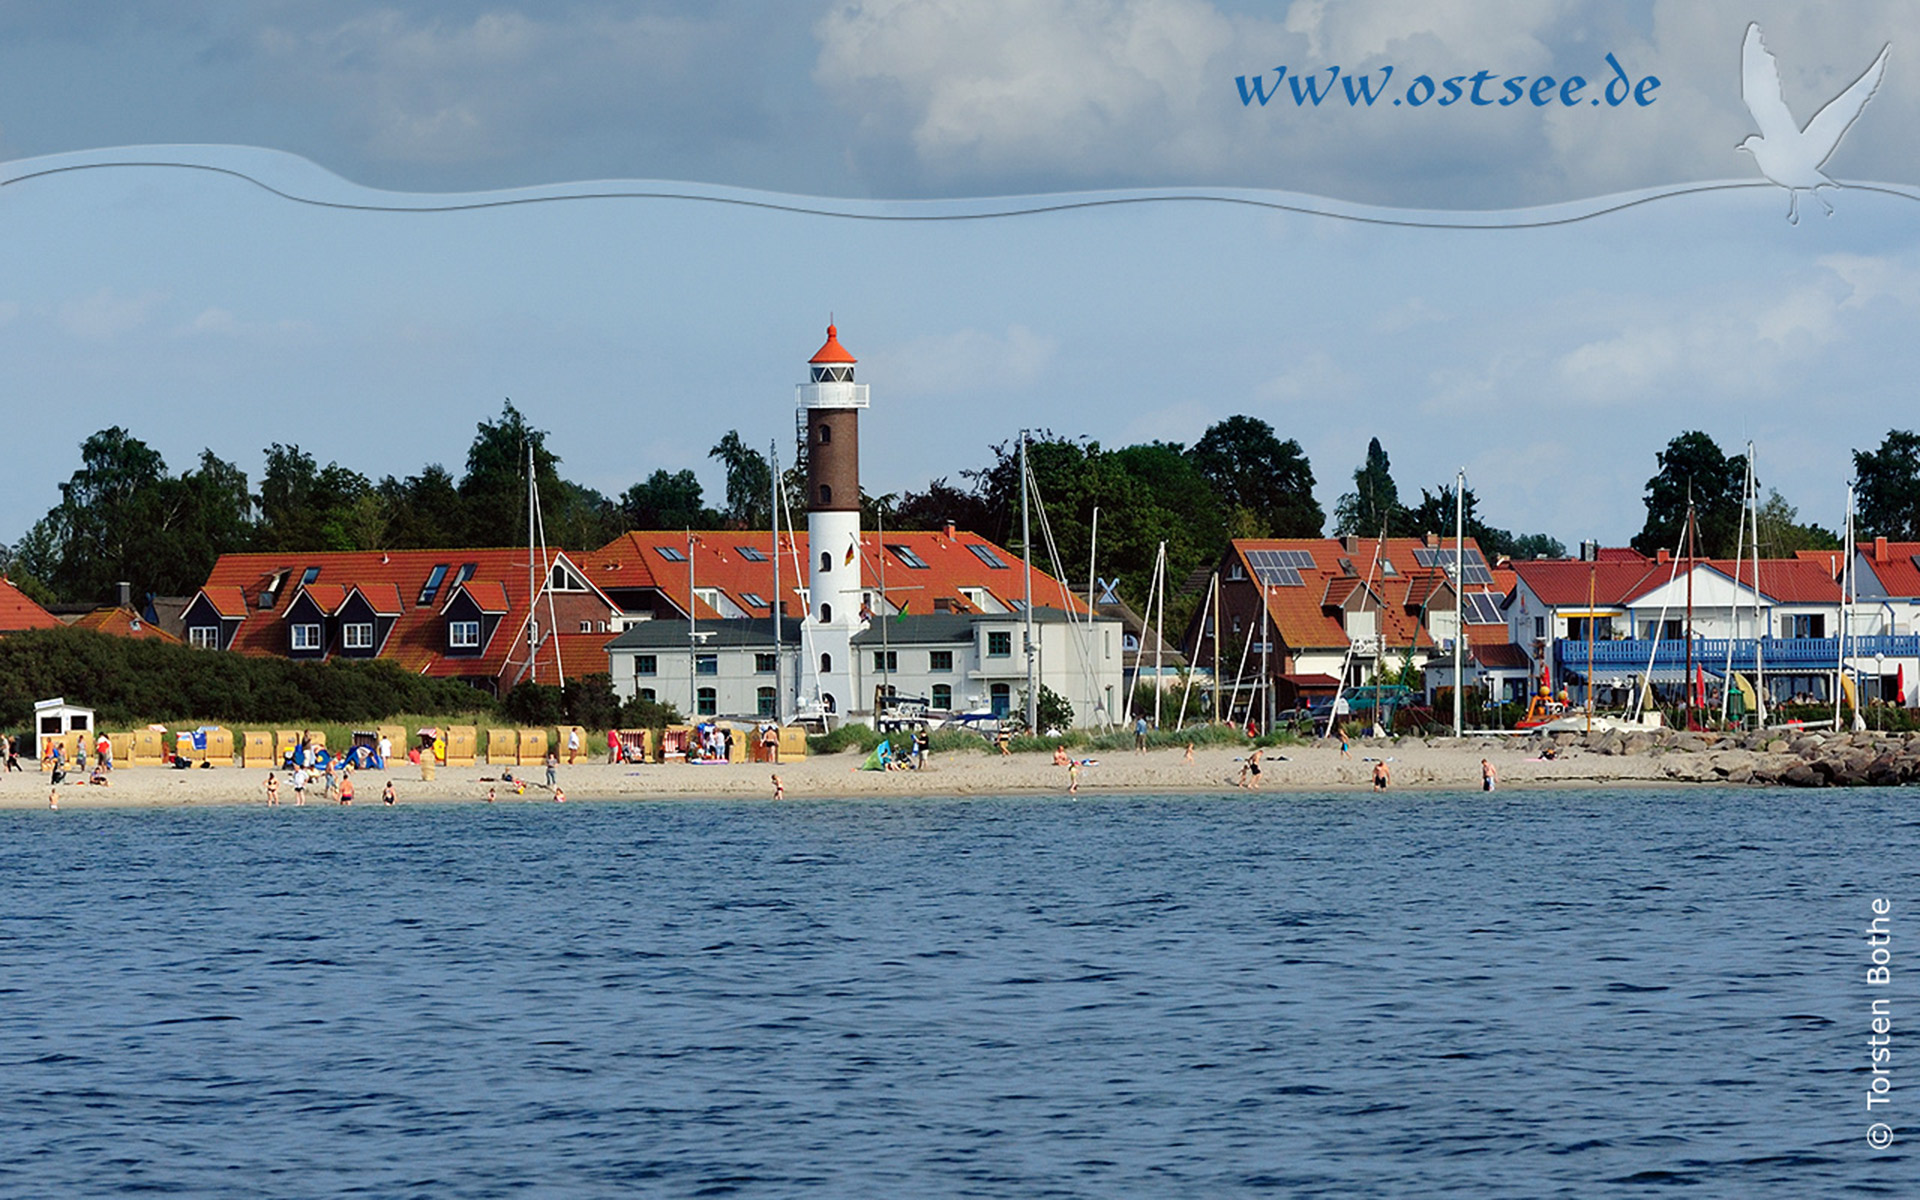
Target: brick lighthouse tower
830	404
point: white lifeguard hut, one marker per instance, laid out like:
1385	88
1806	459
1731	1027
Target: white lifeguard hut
54	719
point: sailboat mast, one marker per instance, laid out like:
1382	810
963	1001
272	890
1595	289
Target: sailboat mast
1459	592
773	510
1026	555
1160	574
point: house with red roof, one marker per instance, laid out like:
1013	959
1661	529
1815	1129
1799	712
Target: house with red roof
20	611
491	617
1311	615
1620	623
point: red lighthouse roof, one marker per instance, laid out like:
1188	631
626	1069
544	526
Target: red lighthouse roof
833	351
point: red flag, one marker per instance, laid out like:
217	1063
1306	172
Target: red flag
1700	686
1900	692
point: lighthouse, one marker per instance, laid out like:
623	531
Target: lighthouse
829	422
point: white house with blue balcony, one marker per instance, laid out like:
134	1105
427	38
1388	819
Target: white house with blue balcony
1614	625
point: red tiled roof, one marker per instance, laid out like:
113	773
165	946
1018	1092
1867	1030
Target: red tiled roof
18	610
1892	563
394	579
1502	655
123	622
489	594
1620	554
1565	582
723	560
1783	580
383	598
1307	617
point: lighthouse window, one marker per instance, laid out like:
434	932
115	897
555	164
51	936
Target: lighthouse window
826	562
826	614
826	494
826	434
826	663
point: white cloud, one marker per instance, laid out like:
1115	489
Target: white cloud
106	314
966	361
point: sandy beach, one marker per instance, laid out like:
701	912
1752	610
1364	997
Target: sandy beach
1319	767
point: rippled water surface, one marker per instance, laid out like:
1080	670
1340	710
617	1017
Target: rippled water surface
1574	993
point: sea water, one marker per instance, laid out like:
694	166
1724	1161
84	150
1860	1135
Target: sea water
1579	993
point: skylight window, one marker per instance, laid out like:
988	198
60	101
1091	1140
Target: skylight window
754	599
906	555
750	554
432	587
988	557
670	554
309	575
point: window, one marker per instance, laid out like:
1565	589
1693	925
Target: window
906	555
306	637
999	644
749	553
431	587
826	434
753	599
564	580
464	573
706	664
988	557
943	697
826	614
646	664
826	562
204	637
1807	625
764	702
940	660
886	660
357	636
586	627
1001	696
763	663
463	635
826	663
706	702
649	695
1539	627
1602	628
826	494
1129	642
309	575
669	553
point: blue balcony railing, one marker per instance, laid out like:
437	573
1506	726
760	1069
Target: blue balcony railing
1712	652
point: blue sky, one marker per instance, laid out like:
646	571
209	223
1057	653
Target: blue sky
201	310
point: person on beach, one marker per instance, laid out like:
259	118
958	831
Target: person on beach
1250	771
489	795
99	776
13	754
553	768
386	749
273	790
103	752
346	788
1189	757
1060	755
1381	776
1489	777
1140	736
770	743
53	796
779	789
299	786
386	794
559	795
1005	739
613	746
329	785
1073	777
1346	748
573	745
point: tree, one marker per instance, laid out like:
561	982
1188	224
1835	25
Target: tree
1781	533
493	492
1435	514
1886	486
667	501
1255	474
749	482
1372	508
1536	545
306	507
423	511
1693	466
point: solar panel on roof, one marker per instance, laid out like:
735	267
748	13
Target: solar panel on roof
1481	609
1271	568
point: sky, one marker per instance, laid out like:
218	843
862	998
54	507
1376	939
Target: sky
361	227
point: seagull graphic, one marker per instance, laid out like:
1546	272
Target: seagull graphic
1787	154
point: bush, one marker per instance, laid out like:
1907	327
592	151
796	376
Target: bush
858	737
641	713
128	680
535	704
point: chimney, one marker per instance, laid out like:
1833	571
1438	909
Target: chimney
949	530
1352	543
1879	549
1663	556
123	591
